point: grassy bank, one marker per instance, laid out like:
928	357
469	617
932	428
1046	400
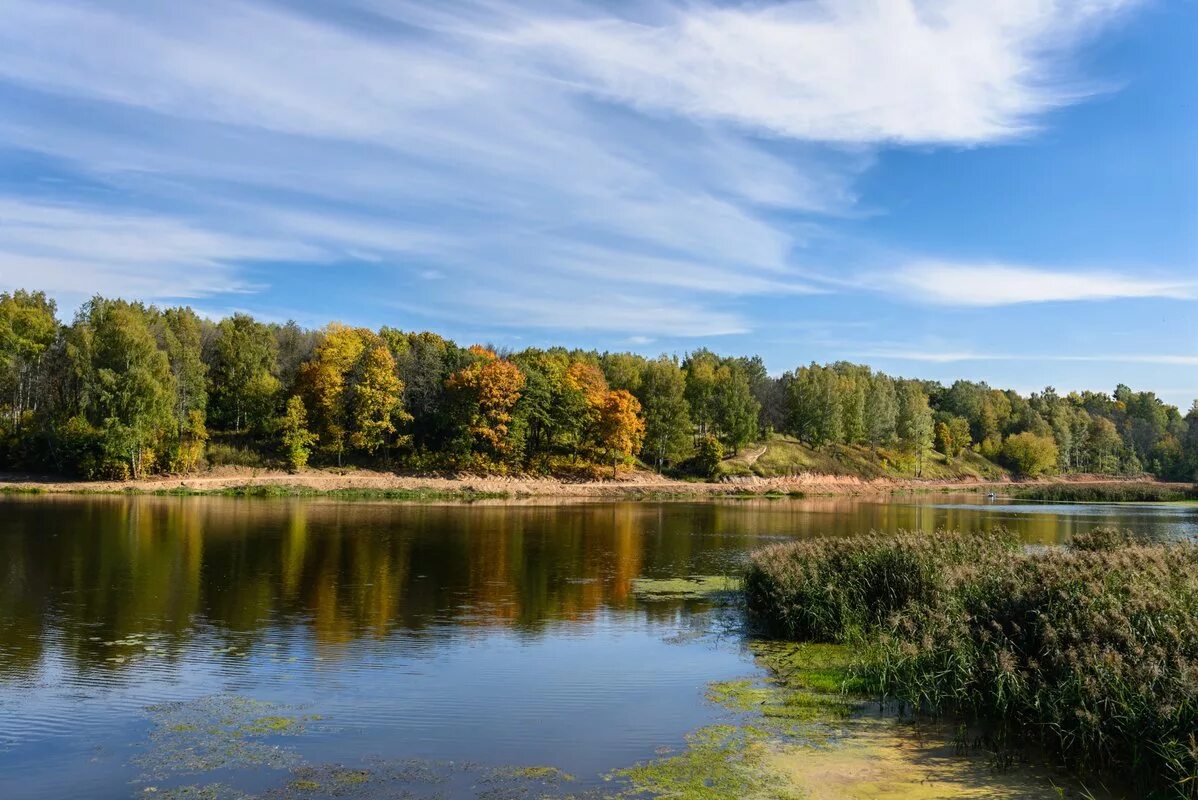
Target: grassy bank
781	456
1107	493
1090	651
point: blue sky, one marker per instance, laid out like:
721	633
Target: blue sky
1001	191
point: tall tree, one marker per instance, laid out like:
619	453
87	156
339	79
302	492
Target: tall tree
241	363
354	395
667	416
700	367
734	409
915	423
487	392
881	410
621	428
180	336
815	411
28	326
128	389
377	400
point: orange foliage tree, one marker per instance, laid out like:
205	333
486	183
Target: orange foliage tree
488	390
621	426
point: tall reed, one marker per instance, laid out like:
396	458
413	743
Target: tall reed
1090	650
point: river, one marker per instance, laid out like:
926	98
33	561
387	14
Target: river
225	647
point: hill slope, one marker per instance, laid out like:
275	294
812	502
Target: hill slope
780	456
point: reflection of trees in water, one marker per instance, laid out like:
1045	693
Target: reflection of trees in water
98	569
93	570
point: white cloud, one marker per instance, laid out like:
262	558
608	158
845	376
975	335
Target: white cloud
524	150
964	284
859	71
954	356
72	251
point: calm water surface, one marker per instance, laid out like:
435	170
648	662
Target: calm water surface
504	634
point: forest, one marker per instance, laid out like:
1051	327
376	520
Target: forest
126	390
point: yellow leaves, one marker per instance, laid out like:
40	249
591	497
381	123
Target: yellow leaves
354	390
492	385
621	427
377	400
587	379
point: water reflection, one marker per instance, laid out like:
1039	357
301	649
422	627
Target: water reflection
480	632
88	571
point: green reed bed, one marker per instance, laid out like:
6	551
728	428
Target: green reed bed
1107	493
1089	650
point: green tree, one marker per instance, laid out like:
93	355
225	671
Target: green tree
734	409
668	427
1104	446
297	440
708	455
700	367
622	370
881	411
914	423
179	335
854	386
816	416
1030	454
28	326
128	390
243	387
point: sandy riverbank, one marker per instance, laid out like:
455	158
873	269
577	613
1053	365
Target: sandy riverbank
631	485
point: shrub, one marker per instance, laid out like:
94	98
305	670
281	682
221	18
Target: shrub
1107	493
231	455
1029	454
1090	650
708	456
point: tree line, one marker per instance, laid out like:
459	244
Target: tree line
127	389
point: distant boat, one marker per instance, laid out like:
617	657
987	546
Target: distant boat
992	496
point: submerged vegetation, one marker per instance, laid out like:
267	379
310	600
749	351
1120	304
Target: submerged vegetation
126	390
1107	493
1090	650
694	588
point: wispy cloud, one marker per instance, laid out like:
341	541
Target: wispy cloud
964	284
73	251
954	356
665	157
959	72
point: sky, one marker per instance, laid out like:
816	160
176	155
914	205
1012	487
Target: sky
1003	191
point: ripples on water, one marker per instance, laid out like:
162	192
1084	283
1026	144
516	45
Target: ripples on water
493	633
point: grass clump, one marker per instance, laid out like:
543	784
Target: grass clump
1107	493
1089	650
824	590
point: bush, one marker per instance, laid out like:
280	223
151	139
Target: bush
1029	454
231	455
1090	650
708	456
1107	493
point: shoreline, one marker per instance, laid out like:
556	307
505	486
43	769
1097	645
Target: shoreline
363	484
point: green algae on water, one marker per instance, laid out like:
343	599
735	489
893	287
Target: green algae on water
699	587
218	732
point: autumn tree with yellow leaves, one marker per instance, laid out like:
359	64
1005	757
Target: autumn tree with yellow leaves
621	426
353	392
486	392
